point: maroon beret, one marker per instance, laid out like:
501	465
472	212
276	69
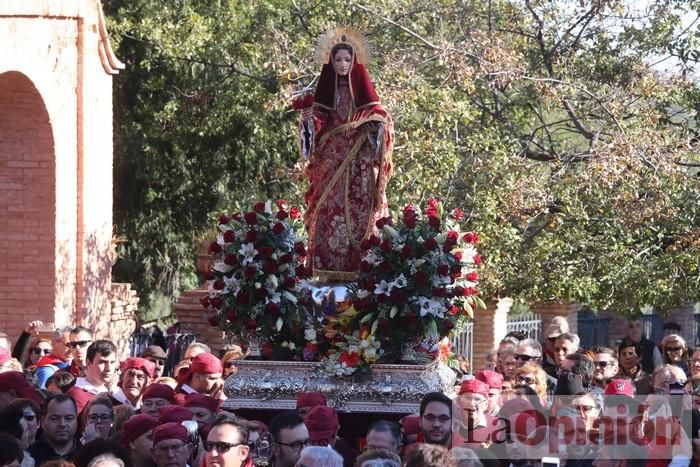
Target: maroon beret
138	363
159	391
137	426
168	431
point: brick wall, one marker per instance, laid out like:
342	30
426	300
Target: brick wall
193	319
56	70
490	326
122	321
27	205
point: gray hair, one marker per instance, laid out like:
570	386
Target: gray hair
533	344
568	336
199	345
465	456
324	456
106	460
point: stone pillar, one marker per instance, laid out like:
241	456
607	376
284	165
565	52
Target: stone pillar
547	311
490	326
122	320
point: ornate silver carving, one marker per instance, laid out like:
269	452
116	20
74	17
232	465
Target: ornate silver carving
274	385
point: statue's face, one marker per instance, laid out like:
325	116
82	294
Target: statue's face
342	61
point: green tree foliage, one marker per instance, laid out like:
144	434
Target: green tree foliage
544	120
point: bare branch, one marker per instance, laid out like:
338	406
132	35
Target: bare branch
394	23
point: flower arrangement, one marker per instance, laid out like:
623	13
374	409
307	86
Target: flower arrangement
418	278
255	291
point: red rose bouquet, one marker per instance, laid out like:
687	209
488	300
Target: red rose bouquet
418	278
255	292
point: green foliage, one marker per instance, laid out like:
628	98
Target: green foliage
573	157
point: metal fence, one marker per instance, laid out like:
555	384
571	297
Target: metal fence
530	325
697	329
175	346
593	331
464	343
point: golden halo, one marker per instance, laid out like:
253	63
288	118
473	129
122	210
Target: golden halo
343	35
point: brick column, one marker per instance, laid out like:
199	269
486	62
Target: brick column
489	328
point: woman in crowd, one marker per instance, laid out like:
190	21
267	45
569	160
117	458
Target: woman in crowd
39	347
534	377
630	358
228	361
31	416
675	351
97	419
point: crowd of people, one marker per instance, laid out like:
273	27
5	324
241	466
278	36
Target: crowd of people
68	401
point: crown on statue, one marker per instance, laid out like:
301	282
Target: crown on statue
343	35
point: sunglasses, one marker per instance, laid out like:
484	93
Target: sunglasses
39	351
230	364
525	358
80	344
603	364
221	446
674	349
526	380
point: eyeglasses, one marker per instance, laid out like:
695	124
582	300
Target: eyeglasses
99	418
80	344
221	446
430	418
674	349
603	364
295	446
525	358
695	361
526	380
39	351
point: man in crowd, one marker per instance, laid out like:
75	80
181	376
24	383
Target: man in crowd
155	354
475	425
171	446
59	425
58	359
436	419
79	341
558	326
630	361
155	397
203	376
565	345
495	383
204	408
195	349
651	356
288	436
227	442
307	400
606	368
137	437
101	368
384	434
136	374
323	426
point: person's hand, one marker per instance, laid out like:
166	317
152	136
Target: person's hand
90	433
33	327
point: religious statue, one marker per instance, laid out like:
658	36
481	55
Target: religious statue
347	138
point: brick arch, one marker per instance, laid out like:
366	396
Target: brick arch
27	204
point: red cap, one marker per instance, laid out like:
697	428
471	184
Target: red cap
138	363
5	355
474	386
174	414
136	426
411	424
619	387
203	401
15	381
322	423
490	377
206	363
169	431
310	399
159	391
